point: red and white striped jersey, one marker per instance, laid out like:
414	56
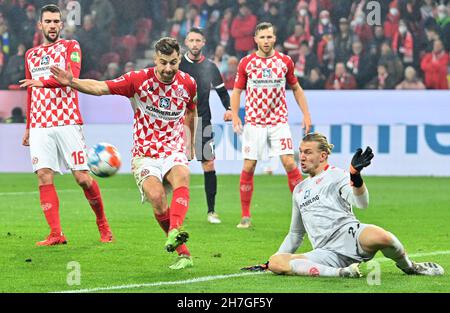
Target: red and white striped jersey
159	110
52	105
265	82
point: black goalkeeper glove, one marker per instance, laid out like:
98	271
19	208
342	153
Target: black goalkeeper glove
359	161
257	268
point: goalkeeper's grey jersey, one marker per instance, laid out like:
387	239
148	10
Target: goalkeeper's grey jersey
321	206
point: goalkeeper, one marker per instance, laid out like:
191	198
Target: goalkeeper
322	208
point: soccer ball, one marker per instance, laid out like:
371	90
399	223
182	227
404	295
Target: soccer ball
104	159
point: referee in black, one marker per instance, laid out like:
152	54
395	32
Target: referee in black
206	74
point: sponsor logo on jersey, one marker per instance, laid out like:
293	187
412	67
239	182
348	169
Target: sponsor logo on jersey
309	202
35	160
267	73
45	60
164	103
144	172
75	57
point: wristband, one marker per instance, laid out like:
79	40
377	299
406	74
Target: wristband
356	180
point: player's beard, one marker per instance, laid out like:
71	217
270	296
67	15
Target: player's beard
167	76
50	39
196	53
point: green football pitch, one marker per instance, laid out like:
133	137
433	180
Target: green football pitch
417	210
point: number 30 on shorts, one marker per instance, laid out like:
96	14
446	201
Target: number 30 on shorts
286	143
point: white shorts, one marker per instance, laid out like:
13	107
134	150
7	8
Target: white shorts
259	143
51	146
343	248
143	167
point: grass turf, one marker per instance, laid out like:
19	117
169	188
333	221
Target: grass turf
415	209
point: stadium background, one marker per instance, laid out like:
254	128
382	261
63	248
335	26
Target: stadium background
409	129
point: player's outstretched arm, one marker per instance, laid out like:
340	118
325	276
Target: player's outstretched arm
299	96
235	105
88	86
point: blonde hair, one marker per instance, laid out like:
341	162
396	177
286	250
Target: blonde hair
321	139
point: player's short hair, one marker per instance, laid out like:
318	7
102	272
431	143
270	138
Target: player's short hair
52	8
321	140
167	45
197	31
265	25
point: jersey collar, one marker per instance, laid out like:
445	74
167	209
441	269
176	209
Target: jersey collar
202	58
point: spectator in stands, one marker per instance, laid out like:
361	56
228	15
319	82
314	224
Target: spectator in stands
103	14
88	38
383	80
212	33
426	10
431	34
361	28
112	71
129	67
15	68
315	80
230	76
340	79
303	17
292	44
174	25
403	44
16	116
220	58
242	30
324	26
434	65
6	38
391	22
69	32
28	27
411	81
443	21
360	64
305	62
192	19
375	44
343	41
392	62
225	31
325	53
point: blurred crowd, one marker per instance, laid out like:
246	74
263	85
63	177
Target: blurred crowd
335	44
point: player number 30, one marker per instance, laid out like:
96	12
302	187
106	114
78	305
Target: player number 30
286	143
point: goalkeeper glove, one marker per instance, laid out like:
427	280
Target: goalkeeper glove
359	161
257	268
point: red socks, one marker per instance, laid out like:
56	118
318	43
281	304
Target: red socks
246	190
164	222
95	200
294	177
50	206
179	207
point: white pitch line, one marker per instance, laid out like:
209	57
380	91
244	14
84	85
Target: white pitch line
163	283
210	278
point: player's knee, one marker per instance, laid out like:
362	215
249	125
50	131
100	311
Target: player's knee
45	176
384	239
249	166
289	163
208	166
83	180
279	264
156	198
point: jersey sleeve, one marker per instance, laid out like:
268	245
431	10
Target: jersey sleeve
290	76
294	238
241	76
216	80
123	85
192	94
74	58
28	76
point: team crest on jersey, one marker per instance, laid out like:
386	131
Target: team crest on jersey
279	63
180	92
164	103
267	73
307	193
45	60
